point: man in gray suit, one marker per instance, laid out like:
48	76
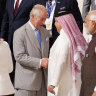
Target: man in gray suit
87	6
31	55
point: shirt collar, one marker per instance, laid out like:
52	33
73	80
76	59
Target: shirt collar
32	26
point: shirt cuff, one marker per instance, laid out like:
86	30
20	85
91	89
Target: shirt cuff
40	63
95	88
54	82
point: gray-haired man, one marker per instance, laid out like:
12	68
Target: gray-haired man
88	70
31	46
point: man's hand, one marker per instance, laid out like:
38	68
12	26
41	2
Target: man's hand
50	89
94	93
1	40
44	62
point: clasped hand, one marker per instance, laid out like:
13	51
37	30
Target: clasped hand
50	89
44	63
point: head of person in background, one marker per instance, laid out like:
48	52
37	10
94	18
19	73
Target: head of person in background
90	22
38	16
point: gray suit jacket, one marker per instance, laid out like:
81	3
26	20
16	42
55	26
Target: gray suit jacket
87	6
27	52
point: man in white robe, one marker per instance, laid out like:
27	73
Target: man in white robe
65	58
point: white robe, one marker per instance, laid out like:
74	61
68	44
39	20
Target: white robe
59	68
6	67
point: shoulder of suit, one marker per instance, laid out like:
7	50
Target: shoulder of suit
44	30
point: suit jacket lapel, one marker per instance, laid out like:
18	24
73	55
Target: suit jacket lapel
42	40
32	36
12	7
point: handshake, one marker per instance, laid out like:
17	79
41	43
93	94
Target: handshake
44	63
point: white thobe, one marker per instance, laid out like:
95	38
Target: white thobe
59	68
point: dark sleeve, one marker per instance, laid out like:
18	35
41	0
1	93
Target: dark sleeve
5	24
1	13
77	15
2	10
86	8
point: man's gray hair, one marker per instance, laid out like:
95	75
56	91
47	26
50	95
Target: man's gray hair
37	9
92	15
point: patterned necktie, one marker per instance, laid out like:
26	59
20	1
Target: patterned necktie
16	7
38	36
49	7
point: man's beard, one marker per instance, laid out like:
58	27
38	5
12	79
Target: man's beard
86	30
89	36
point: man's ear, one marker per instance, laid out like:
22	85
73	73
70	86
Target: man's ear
93	24
32	16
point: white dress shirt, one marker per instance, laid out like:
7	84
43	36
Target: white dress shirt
32	26
19	2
